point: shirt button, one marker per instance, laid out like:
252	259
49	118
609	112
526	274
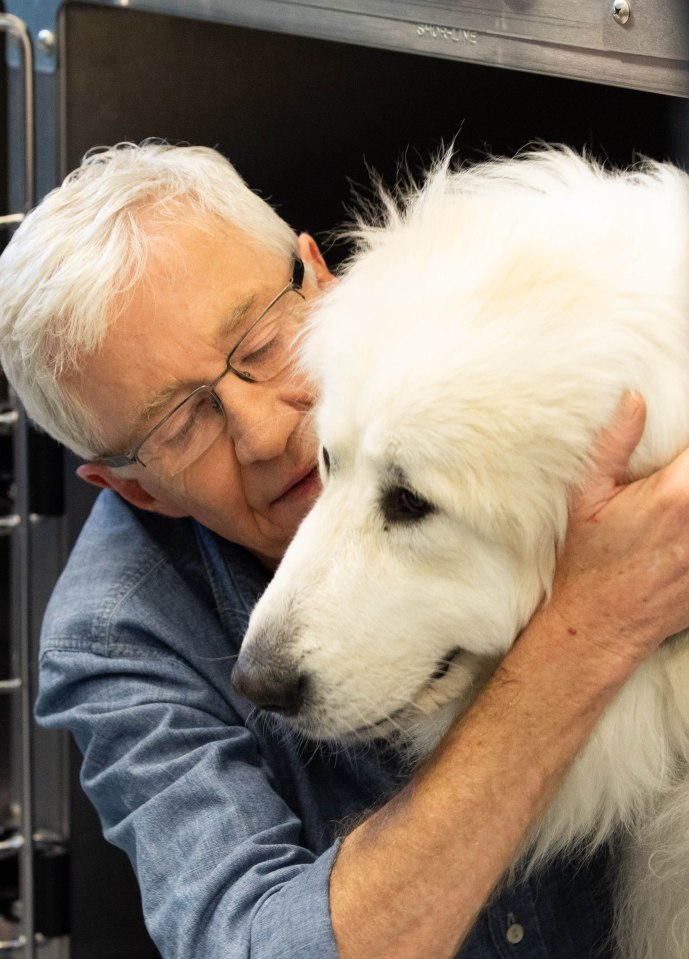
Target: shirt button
515	933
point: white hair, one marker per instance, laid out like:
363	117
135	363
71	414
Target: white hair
67	269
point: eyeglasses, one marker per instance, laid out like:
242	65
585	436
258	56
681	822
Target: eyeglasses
188	430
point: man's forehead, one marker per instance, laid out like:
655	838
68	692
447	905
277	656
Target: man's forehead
229	327
188	283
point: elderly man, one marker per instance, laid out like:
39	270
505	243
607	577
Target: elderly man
147	314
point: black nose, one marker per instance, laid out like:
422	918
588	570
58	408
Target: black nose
273	686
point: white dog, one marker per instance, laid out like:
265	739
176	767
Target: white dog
479	340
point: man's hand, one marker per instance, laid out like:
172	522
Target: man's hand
622	580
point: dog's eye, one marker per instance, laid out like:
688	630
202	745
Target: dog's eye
401	505
326	459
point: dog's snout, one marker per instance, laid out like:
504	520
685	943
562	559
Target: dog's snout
276	686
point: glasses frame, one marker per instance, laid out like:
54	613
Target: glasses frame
295	285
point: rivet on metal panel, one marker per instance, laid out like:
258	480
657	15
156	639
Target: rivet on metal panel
621	11
46	42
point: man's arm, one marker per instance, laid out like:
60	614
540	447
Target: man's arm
216	812
409	882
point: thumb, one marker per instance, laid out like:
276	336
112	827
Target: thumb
618	440
611	454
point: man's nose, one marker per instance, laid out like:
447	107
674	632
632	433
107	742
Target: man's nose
259	421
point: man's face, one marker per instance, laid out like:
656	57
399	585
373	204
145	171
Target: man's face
202	287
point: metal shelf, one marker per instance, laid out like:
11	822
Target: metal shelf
584	40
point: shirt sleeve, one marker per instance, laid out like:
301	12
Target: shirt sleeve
181	785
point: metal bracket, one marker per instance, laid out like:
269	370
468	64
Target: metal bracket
8	418
40	17
9	846
15	28
11	945
9	523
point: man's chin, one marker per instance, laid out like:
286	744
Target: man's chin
270	563
272	529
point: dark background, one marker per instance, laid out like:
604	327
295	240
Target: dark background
300	118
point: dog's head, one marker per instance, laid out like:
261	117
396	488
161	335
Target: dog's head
465	362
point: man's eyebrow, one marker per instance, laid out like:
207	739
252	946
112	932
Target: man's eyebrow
159	403
230	324
235	318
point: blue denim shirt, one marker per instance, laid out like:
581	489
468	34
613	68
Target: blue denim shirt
230	822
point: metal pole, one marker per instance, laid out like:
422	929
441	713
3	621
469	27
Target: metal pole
21	540
18	31
22	549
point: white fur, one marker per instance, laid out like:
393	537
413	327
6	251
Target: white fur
480	339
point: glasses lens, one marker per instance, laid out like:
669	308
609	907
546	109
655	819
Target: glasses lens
186	433
268	346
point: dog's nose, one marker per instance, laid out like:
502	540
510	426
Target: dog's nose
274	687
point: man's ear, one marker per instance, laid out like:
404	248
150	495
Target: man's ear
310	253
129	489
